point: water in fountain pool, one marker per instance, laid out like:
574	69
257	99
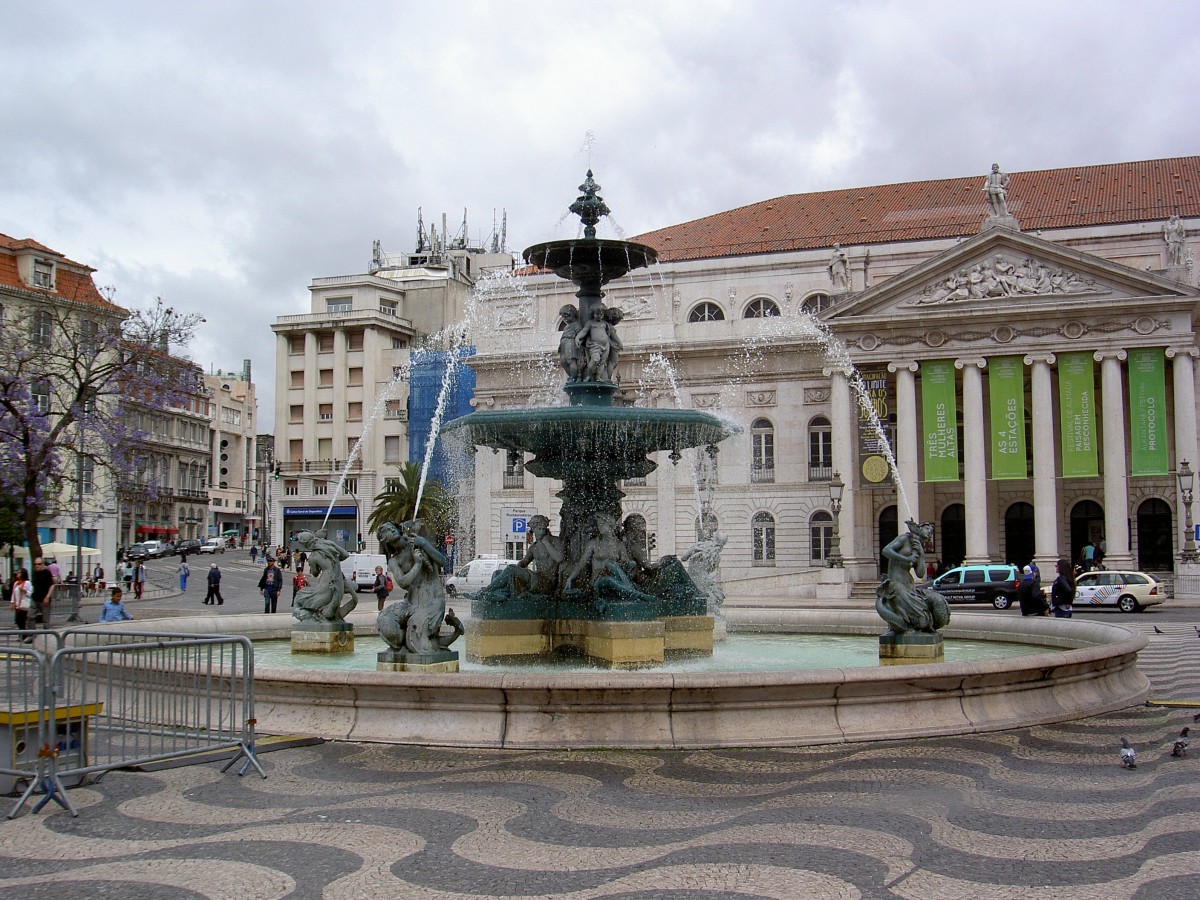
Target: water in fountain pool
740	653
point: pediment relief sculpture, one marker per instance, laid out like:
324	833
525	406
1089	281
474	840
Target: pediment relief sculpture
1003	276
638	307
518	316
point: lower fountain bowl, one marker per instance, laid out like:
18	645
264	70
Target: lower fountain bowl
1092	670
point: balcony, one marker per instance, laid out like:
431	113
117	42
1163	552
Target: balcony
514	482
345	319
297	467
762	474
820	473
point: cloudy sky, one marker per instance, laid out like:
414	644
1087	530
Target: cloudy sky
223	154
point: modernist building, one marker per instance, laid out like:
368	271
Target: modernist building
342	380
232	481
1032	368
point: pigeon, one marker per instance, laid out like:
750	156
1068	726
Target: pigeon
1197	627
1157	630
1196	717
1181	743
1128	755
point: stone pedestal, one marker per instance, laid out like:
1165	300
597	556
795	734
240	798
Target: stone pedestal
910	648
322	637
614	645
403	661
1009	222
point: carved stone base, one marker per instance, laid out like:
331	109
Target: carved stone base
911	648
403	661
615	645
1009	222
323	637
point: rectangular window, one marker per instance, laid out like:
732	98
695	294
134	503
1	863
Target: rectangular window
87	471
320	488
354	411
296	345
42	328
514	469
325	448
394	410
325	412
399	343
297	379
338	305
391	448
291	487
351	443
296	450
43	274
351	486
324	343
39	395
325	378
387	307
354	377
296	413
231	416
354	340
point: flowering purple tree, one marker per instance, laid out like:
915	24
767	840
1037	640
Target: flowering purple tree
68	373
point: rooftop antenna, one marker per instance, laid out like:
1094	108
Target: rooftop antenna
504	231
421	240
495	248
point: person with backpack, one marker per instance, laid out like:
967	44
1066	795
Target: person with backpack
184	571
1062	592
383	586
270	584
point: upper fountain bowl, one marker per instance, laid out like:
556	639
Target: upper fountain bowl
588	259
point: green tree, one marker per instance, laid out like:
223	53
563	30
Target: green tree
397	502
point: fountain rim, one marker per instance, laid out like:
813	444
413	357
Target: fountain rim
588	265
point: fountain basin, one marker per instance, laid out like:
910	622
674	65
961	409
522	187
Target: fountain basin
590	259
1093	672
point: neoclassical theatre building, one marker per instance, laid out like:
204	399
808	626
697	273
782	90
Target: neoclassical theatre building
1025	342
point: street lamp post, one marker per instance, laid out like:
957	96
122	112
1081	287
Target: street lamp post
835	503
1187	480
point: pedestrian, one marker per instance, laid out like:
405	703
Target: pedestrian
1062	592
21	598
302	560
382	586
284	558
298	583
214	587
1030	596
184	572
54	570
254	553
270	584
43	594
1087	556
114	610
139	580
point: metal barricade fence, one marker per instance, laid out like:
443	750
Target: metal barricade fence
124	698
24	725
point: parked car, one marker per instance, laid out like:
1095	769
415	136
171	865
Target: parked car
212	545
137	552
189	547
996	585
154	549
1127	591
475	575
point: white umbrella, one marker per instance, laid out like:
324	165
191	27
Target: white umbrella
58	550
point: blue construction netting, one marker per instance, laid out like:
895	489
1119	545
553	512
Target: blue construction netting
425	384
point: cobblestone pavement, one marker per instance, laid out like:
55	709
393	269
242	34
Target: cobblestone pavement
1039	812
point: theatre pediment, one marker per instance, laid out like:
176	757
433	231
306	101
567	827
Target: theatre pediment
1004	269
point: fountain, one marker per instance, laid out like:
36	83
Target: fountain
595	593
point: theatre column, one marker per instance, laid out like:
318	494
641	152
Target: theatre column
974	462
1183	374
1045	485
1116	482
907	448
844	424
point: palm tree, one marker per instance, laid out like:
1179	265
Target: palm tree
396	502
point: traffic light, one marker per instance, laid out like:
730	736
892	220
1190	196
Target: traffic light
276	475
652	540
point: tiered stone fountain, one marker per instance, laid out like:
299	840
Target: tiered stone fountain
602	597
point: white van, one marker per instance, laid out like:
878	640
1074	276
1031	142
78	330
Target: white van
360	568
475	575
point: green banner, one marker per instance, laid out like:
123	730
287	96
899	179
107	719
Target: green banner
1077	411
1006	385
1148	412
939	420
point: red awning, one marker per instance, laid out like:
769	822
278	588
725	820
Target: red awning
171	530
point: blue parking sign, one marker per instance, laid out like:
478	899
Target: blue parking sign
518	526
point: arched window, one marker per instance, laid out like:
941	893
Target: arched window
815	303
820	533
762	452
820	449
761	308
762	536
706	312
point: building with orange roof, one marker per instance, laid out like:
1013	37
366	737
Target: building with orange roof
1028	356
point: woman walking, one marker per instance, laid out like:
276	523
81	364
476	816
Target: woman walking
22	595
1062	592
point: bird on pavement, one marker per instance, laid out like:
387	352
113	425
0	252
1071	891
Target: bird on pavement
1128	755
1197	627
1181	743
1157	630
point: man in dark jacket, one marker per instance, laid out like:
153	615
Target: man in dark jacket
270	584
1029	595
214	586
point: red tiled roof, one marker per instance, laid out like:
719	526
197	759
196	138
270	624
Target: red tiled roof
72	280
1051	198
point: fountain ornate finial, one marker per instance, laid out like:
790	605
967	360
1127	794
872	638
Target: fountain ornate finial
590	206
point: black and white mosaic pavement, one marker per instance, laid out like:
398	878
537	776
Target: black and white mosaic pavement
1040	812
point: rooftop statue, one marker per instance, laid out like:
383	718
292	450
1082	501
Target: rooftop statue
995	190
1173	234
839	270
